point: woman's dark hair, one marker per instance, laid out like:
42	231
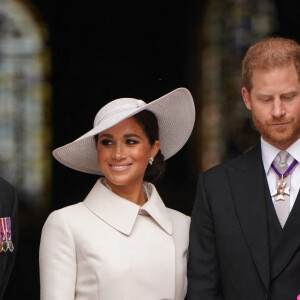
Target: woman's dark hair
148	121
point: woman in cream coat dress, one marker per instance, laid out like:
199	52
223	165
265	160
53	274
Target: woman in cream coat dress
121	242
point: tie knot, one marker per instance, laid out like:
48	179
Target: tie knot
283	155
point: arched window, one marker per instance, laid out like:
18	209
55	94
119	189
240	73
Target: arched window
227	28
24	102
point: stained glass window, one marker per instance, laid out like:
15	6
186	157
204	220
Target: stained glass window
24	102
227	29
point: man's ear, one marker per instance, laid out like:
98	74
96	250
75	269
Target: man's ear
246	97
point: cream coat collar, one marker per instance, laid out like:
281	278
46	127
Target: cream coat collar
121	214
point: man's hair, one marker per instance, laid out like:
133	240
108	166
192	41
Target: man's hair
269	54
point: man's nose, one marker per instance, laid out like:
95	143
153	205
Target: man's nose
278	108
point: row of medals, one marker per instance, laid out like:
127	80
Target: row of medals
6	245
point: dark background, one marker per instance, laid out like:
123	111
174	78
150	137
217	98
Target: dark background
106	50
102	50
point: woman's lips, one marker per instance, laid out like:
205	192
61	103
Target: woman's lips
119	167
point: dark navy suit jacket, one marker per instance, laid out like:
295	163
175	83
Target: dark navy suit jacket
230	255
8	208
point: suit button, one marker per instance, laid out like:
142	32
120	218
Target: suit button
267	297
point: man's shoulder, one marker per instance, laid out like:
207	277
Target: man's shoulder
6	186
7	192
236	162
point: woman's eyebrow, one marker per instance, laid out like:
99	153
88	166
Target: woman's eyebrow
132	135
125	135
105	135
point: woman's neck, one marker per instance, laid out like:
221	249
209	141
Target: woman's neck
134	193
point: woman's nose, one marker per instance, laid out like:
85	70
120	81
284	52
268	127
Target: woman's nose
119	152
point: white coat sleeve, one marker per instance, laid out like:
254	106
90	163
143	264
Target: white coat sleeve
57	259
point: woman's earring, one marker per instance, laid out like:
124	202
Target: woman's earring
151	161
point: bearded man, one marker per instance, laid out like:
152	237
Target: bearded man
245	228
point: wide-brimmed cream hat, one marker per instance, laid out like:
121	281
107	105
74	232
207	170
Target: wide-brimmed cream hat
174	111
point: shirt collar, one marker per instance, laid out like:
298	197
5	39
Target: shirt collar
294	150
269	153
121	214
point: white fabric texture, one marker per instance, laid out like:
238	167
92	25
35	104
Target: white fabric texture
108	248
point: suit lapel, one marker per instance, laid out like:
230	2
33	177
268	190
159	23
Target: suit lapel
246	177
289	241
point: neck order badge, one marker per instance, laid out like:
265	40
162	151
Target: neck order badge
282	189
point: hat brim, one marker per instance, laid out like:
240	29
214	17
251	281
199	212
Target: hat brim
175	113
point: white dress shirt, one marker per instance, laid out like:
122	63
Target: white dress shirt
269	154
108	248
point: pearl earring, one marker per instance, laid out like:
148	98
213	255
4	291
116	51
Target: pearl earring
151	161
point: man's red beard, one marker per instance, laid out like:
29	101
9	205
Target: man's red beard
281	135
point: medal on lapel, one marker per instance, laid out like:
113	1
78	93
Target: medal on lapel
9	240
6	235
4	245
1	238
11	246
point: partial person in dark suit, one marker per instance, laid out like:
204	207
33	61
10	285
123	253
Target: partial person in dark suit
9	232
245	228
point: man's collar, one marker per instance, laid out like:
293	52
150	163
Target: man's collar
269	152
121	214
294	150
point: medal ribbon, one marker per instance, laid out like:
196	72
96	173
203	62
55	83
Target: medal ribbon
288	171
8	226
1	232
4	228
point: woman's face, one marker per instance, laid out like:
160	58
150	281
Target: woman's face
123	154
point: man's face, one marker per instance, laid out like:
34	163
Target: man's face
275	105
